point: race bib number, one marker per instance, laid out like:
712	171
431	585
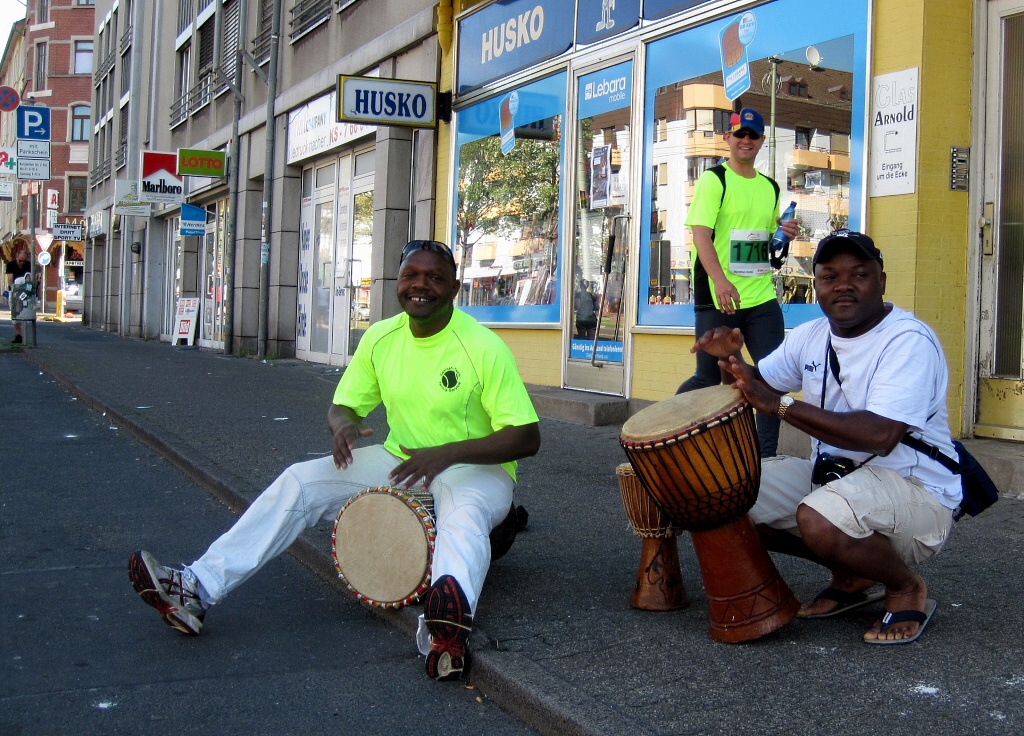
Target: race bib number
748	252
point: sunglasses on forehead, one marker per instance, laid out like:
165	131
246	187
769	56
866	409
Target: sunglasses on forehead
432	245
744	133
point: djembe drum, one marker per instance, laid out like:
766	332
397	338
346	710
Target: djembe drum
659	579
383	545
697	455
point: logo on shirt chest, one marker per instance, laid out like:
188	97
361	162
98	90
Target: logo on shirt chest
450	379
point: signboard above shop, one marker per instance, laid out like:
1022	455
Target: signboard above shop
386	101
200	162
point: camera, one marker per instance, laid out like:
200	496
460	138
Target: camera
828	468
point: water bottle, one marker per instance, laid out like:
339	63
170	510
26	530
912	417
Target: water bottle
779	238
779	246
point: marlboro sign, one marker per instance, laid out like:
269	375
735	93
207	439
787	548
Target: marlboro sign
160	181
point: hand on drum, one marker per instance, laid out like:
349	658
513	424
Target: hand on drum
423	464
749	382
720	342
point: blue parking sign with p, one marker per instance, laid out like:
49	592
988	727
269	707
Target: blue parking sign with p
33	123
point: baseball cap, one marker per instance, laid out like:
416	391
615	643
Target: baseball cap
858	242
747	118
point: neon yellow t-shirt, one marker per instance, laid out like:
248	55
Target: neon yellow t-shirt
743	223
459	384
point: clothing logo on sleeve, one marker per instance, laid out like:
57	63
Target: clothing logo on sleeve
812	367
450	379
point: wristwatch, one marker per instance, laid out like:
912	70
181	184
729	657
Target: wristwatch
784	403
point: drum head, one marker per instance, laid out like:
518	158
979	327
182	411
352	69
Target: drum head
669	418
382	547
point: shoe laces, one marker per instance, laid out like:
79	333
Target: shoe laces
181	587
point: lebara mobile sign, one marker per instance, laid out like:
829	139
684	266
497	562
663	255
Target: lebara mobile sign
199	162
160	181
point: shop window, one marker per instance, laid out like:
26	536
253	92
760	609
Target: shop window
508	203
83	57
823	171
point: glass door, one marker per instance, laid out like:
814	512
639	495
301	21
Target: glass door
597	327
212	323
1001	360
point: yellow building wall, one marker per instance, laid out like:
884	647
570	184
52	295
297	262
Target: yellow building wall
924	236
538	354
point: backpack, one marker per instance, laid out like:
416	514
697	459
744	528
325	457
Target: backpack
702	299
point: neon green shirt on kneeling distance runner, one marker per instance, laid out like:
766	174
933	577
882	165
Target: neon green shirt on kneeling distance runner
745	218
459	384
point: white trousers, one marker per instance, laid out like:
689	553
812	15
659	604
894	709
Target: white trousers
469	501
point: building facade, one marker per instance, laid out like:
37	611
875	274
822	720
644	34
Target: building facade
298	252
564	174
590	122
51	66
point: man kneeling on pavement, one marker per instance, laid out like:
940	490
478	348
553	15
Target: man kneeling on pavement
869	507
459	418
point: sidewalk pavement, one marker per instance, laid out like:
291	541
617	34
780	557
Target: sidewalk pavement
556	642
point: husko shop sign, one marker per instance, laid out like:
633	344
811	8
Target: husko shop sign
510	35
386	101
198	162
160	181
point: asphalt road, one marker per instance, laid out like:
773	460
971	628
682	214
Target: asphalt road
81	653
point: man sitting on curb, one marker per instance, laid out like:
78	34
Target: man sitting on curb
459	418
869	507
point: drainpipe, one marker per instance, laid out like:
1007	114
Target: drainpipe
132	153
233	176
268	185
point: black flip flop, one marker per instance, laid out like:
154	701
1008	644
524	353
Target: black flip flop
895	617
847	601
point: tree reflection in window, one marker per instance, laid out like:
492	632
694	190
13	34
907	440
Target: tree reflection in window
507	217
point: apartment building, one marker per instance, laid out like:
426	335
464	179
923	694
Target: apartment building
302	235
50	64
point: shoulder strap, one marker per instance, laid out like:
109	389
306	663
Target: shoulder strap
719	171
933	452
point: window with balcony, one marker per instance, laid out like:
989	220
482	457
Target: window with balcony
307	15
229	42
83	57
81	124
186	14
261	41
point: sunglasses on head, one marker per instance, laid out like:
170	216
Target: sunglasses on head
432	245
744	133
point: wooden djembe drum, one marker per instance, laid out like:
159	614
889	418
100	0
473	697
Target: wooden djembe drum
659	579
697	455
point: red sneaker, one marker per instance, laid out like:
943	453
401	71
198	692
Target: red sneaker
450	623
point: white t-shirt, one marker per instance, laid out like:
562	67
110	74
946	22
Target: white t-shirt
897	370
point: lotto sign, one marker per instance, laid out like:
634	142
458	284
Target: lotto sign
33	123
200	162
185	317
160	181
